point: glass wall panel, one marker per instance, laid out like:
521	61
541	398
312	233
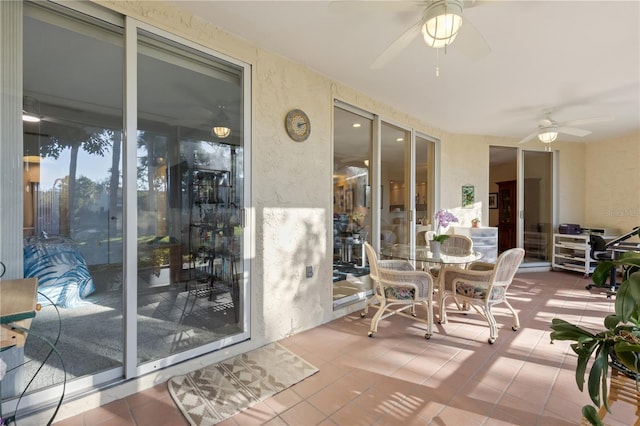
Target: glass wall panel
424	198
72	187
190	198
351	204
396	201
538	205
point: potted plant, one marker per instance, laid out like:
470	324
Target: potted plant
357	219
475	222
442	219
618	341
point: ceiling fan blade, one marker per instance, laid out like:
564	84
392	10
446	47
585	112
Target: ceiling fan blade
583	121
470	42
397	46
467	4
529	137
573	131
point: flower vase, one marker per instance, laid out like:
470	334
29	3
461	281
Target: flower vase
434	246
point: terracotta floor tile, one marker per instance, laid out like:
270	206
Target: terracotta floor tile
155	393
399	378
283	400
303	414
158	413
256	415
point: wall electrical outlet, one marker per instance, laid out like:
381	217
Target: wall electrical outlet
309	271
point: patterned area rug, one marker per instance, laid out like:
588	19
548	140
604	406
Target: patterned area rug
217	392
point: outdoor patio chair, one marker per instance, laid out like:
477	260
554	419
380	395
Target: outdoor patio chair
481	285
397	288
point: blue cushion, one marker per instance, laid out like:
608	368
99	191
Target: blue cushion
61	270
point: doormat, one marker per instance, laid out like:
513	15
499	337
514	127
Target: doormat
219	391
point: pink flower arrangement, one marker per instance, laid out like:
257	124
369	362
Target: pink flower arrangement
442	219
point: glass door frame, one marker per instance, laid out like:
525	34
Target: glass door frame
131	368
520	203
409	177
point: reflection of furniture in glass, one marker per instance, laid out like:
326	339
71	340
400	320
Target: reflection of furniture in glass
507	215
481	285
212	246
485	240
162	251
348	246
397	288
535	245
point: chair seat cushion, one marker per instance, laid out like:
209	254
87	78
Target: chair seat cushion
478	292
399	293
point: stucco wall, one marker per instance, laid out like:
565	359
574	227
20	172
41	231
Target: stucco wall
291	182
612	183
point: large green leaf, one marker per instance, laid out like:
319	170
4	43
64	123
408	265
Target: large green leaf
589	412
597	383
601	273
562	330
625	304
611	321
628	354
634	286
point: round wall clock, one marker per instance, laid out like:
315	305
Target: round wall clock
298	125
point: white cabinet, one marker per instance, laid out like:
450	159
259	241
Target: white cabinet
571	252
485	240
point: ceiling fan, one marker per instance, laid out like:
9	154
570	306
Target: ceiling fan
441	22
548	128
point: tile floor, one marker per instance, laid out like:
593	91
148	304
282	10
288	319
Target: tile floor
399	378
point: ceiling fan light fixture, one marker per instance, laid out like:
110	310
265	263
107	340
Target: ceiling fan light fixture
442	21
221	131
221	128
547	136
30	118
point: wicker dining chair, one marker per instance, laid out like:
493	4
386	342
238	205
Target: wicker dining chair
454	245
397	288
481	285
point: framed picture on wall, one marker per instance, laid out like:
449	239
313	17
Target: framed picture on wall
468	196
493	200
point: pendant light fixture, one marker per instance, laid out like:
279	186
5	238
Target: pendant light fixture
442	21
30	109
221	127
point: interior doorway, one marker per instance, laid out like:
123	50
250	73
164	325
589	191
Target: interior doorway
521	182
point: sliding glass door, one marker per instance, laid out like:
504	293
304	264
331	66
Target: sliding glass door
190	198
536	221
383	193
133	223
352	206
397	201
72	190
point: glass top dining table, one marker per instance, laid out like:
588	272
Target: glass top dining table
424	254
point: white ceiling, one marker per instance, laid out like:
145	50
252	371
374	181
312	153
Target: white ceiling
581	59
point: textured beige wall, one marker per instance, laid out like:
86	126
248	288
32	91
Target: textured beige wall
291	182
612	182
